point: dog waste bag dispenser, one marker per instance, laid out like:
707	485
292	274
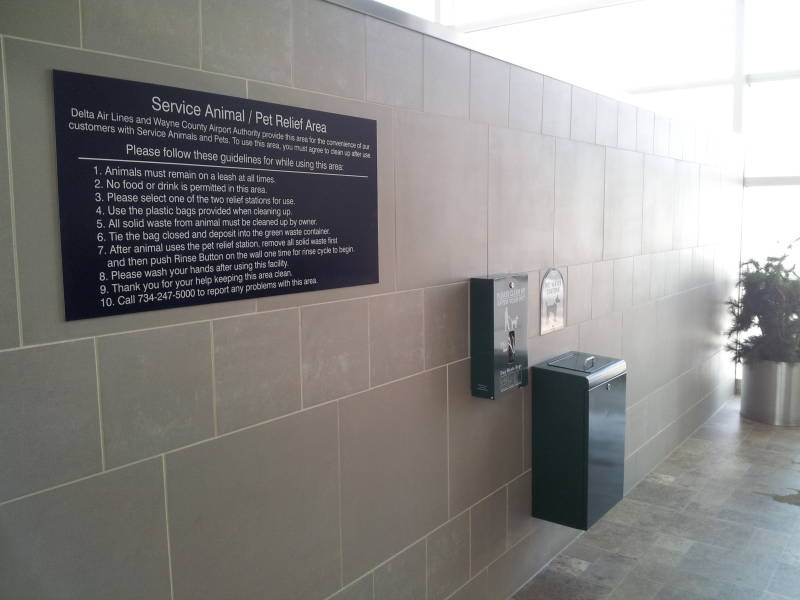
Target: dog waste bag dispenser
578	437
498	334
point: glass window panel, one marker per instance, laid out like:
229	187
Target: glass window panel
711	106
770	222
772	128
771	42
627	46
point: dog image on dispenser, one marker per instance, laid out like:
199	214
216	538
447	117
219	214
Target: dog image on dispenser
510	327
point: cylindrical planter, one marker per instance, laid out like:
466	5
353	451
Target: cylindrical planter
771	392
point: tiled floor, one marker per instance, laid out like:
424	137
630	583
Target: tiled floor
719	519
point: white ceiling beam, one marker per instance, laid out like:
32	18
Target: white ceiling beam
761	181
541	9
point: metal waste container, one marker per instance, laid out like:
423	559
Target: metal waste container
578	437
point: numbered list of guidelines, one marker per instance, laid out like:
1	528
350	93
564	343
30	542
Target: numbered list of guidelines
171	197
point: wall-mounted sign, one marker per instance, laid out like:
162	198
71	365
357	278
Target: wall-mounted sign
553	308
498	334
171	197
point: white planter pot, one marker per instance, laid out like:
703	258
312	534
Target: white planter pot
771	392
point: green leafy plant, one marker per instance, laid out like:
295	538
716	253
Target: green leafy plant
766	318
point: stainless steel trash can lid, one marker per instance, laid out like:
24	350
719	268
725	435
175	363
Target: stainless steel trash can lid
582	362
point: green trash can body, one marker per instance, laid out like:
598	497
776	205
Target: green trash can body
578	412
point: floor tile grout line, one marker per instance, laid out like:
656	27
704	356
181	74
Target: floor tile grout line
772	577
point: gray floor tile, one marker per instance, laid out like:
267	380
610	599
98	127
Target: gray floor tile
727	565
621	539
672	592
569	565
609	570
786	581
662	494
716	520
552	583
640	515
636	587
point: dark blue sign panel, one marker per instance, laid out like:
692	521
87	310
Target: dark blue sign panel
171	197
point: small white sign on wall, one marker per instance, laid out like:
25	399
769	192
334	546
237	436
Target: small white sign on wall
553	308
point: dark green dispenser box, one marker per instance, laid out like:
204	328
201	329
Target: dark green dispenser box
498	320
578	437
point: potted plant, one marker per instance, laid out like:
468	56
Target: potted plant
765	338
